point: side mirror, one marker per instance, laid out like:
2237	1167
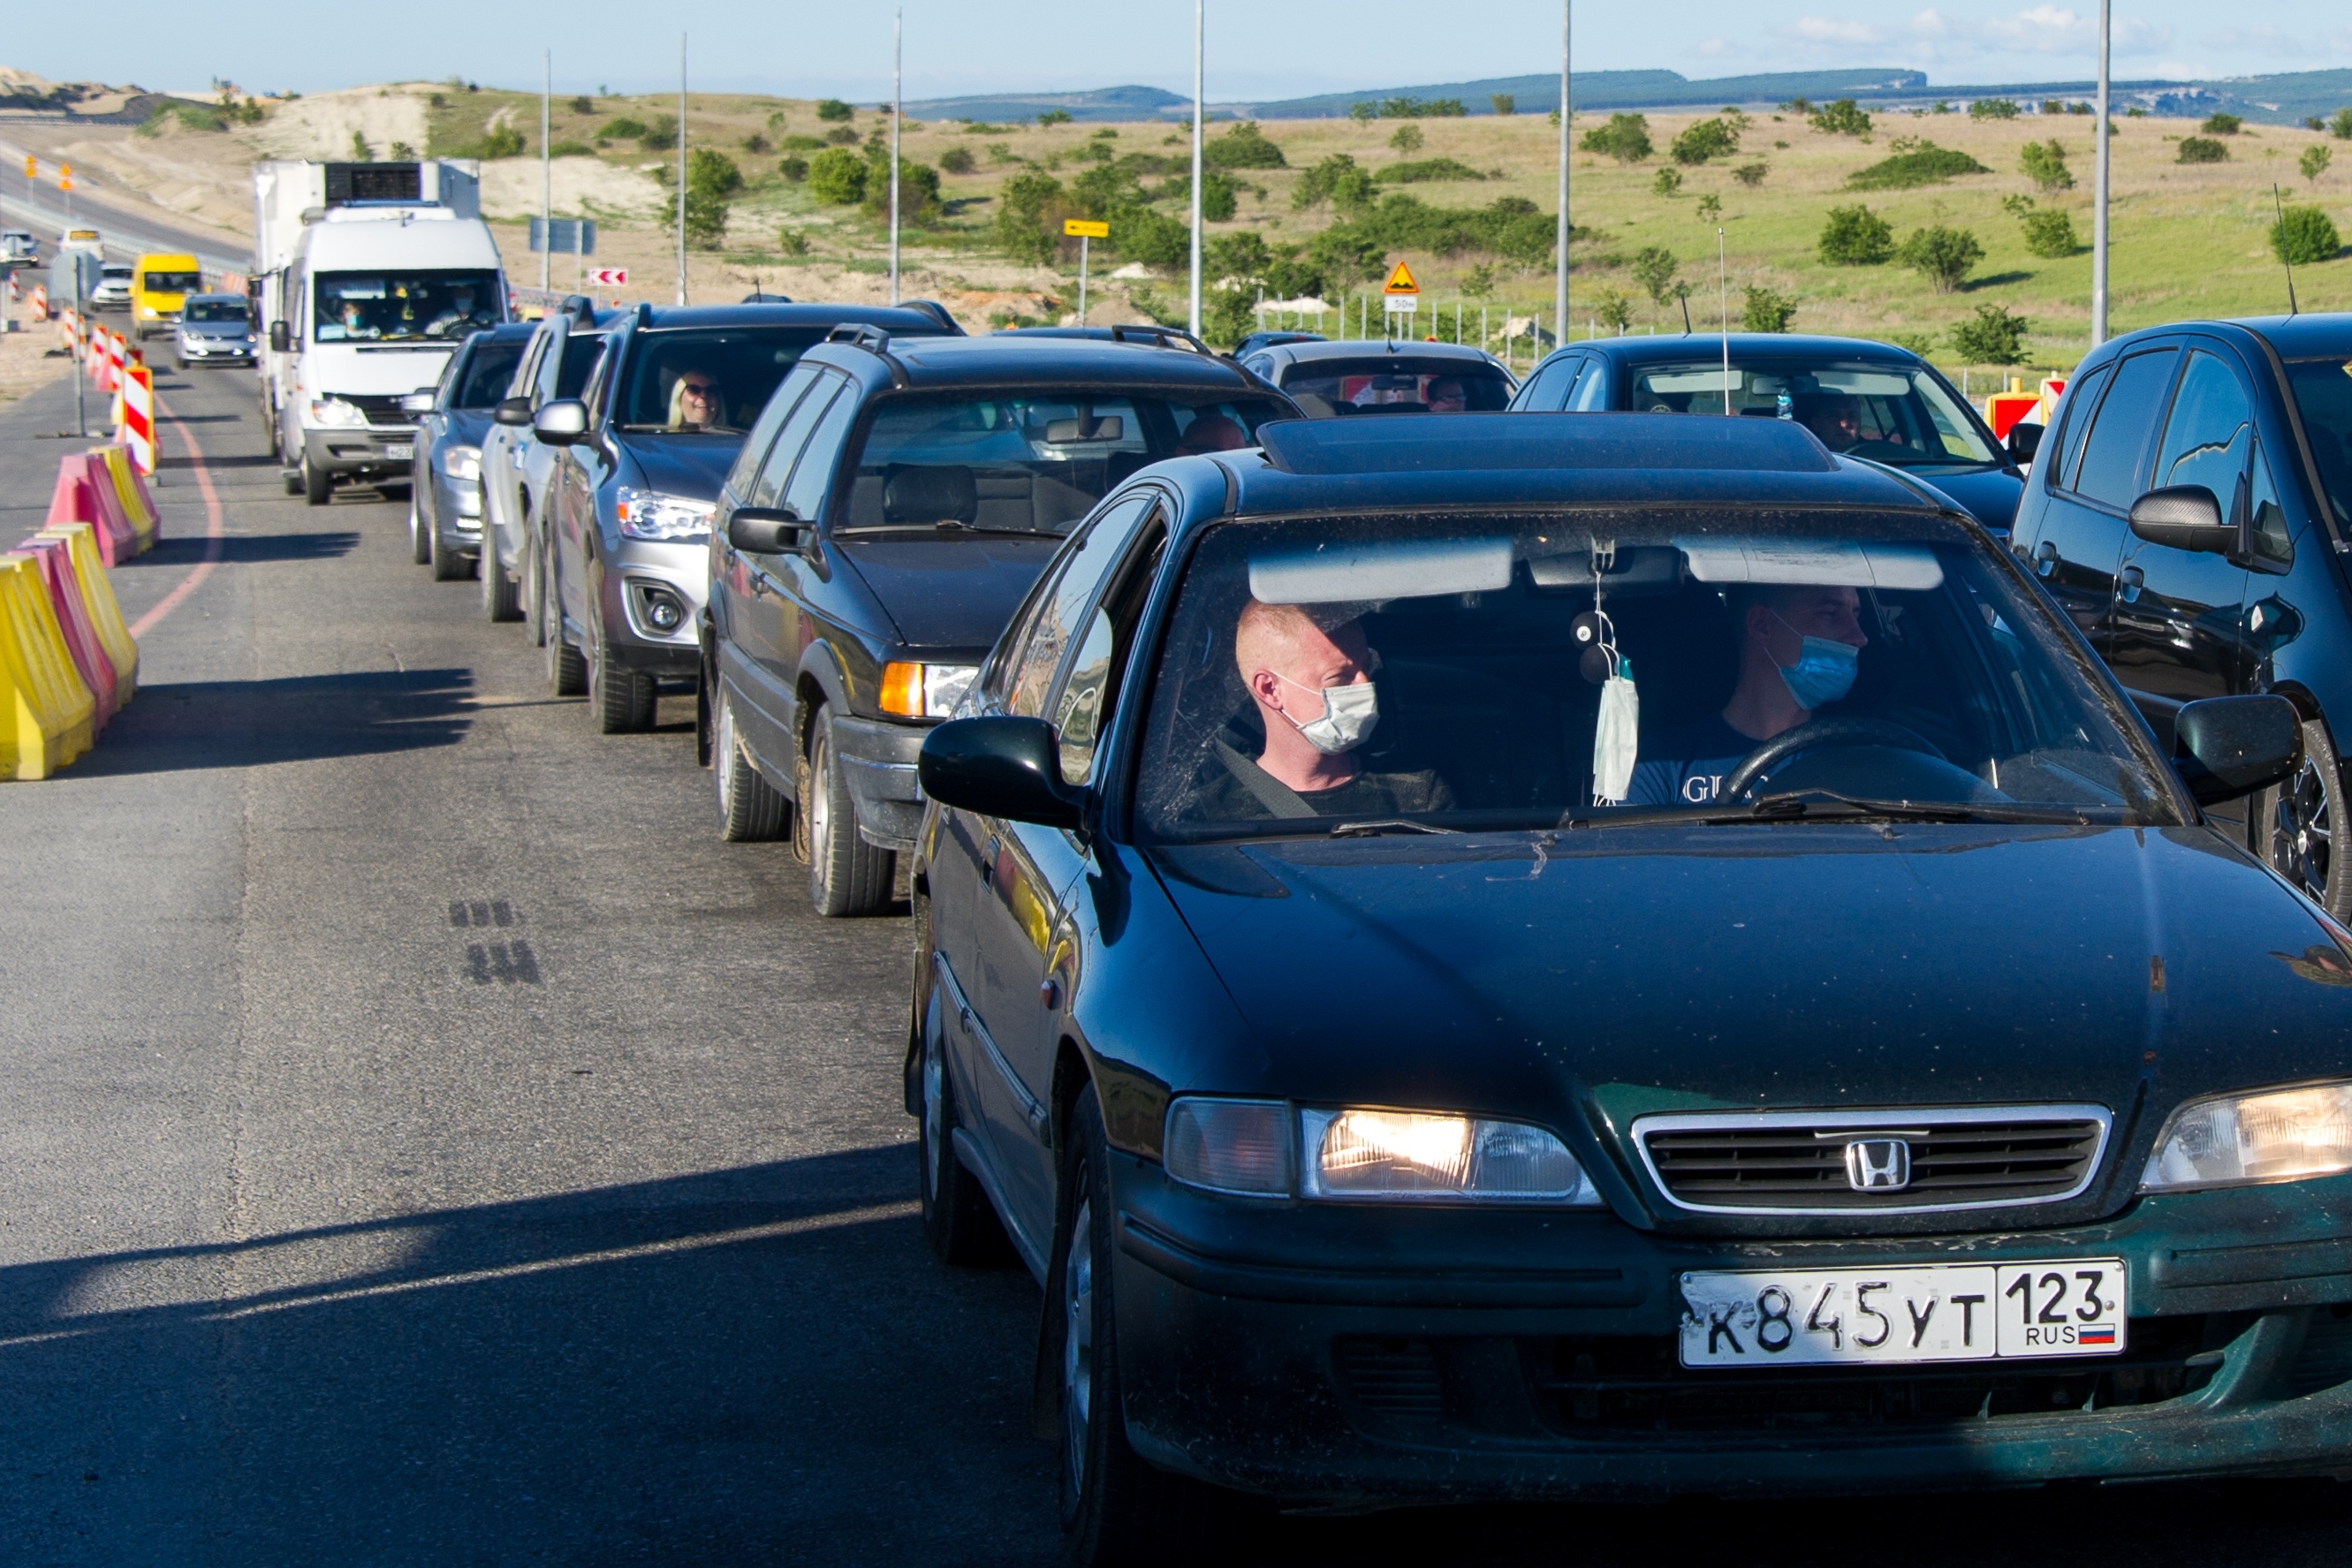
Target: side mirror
416	402
279	335
765	530
560	421
512	410
2025	441
2184	517
1008	768
2225	747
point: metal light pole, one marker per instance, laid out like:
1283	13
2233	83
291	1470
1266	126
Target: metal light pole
546	166
1559	294
681	168
1199	22
2099	209
898	84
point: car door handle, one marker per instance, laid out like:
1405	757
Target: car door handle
2132	579
2045	558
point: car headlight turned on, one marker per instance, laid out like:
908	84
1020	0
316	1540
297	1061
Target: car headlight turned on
2237	1140
335	411
461	463
651	515
925	691
1366	1154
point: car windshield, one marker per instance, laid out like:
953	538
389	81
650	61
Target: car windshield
114	272
172	283
1396	383
214	311
1892	413
2323	393
1451	671
376	307
713	380
1029	462
487	370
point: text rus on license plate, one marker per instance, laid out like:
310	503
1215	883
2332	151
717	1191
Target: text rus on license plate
400	449
1938	1313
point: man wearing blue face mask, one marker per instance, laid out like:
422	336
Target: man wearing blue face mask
1799	649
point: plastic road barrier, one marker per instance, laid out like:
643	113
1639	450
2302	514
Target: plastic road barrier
139	419
85	495
49	719
89	658
80	540
2005	409
138	506
41	302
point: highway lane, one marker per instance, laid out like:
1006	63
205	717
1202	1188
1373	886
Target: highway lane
426	1144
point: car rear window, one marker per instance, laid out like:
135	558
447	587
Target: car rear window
1397	383
487	375
1888	413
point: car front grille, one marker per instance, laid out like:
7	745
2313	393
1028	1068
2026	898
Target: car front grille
381	408
1796	1163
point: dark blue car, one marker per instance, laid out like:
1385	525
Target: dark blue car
1524	956
444	503
2248	427
1864	399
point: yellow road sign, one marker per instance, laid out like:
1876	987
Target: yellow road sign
1401	281
1085	228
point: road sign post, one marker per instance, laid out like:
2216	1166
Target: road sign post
1400	297
1086	231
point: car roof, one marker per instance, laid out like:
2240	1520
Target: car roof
893	319
217	294
1370	347
2324	332
506	332
1748	346
1005	357
1547	460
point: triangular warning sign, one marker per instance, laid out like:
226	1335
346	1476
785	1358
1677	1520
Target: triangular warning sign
1401	281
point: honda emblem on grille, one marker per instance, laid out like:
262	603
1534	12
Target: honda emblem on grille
1878	1164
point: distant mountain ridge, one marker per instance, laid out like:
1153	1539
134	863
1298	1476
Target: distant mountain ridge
2285	99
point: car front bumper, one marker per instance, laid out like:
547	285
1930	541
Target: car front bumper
638	575
360	450
214	351
458	512
877	764
1353	1356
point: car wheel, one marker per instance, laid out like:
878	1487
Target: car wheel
750	809
623	698
2301	817
501	600
420	539
533	601
846	874
1115	1508
567	671
318	487
959	1222
448	565
180	365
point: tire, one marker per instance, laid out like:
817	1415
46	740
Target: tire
318	489
534	604
420	537
502	595
180	365
846	875
622	699
449	566
567	671
750	809
1115	1509
2297	823
959	1222
292	477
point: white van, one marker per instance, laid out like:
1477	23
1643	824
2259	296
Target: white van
376	298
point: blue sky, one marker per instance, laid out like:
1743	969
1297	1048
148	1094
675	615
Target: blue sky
1265	49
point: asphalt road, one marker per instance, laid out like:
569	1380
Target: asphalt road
424	1142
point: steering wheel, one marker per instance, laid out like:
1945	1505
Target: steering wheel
1822	733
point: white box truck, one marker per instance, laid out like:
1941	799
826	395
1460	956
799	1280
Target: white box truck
368	276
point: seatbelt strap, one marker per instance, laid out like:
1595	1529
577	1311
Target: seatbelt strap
1268	791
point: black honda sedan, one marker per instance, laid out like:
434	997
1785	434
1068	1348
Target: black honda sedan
1537	957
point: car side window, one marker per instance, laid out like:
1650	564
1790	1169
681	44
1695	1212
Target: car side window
1059	621
1546	390
2273	539
757	445
2114	461
2210	434
526	374
803	496
2081	401
1591	390
582	351
1082	705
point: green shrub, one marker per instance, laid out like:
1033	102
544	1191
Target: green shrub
1338	181
1022	207
1943	256
1407	139
1843	117
1994	337
1150	237
1428	169
1856	237
919	191
2222	125
660	133
1762	311
2044	163
1710	208
498	141
1752	175
1228	316
837	177
583	104
831	110
1669	182
2314	160
1919	344
1703	140
1243	147
1625	138
2202	150
2050	235
755	144
957	161
1503	103
1917	163
624	128
801	143
1241	256
2302	235
794	168
1053	116
1421	109
791	242
1993	109
1654	269
572	149
841	136
1613	310
2340	125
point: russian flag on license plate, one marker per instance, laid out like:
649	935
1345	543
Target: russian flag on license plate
2096	1336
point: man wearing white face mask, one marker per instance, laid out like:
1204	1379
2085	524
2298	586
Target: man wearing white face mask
1313	687
1799	648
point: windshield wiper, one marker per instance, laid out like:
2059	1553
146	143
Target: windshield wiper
1374	827
944	526
1791	805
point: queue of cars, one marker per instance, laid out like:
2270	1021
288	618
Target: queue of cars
1570	951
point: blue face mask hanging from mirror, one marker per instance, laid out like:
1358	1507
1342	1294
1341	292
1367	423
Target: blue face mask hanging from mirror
1823	672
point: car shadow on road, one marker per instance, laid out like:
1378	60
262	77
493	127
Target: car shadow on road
760	1364
247	723
246	549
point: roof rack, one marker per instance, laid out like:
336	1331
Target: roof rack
875	340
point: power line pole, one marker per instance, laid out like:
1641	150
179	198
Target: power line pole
2099	211
897	114
1199	25
1559	294
681	168
546	169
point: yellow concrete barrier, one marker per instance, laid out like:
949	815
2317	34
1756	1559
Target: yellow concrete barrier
135	504
50	713
97	600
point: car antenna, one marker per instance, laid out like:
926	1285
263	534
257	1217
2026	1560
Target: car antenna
2280	208
1723	282
1683	295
